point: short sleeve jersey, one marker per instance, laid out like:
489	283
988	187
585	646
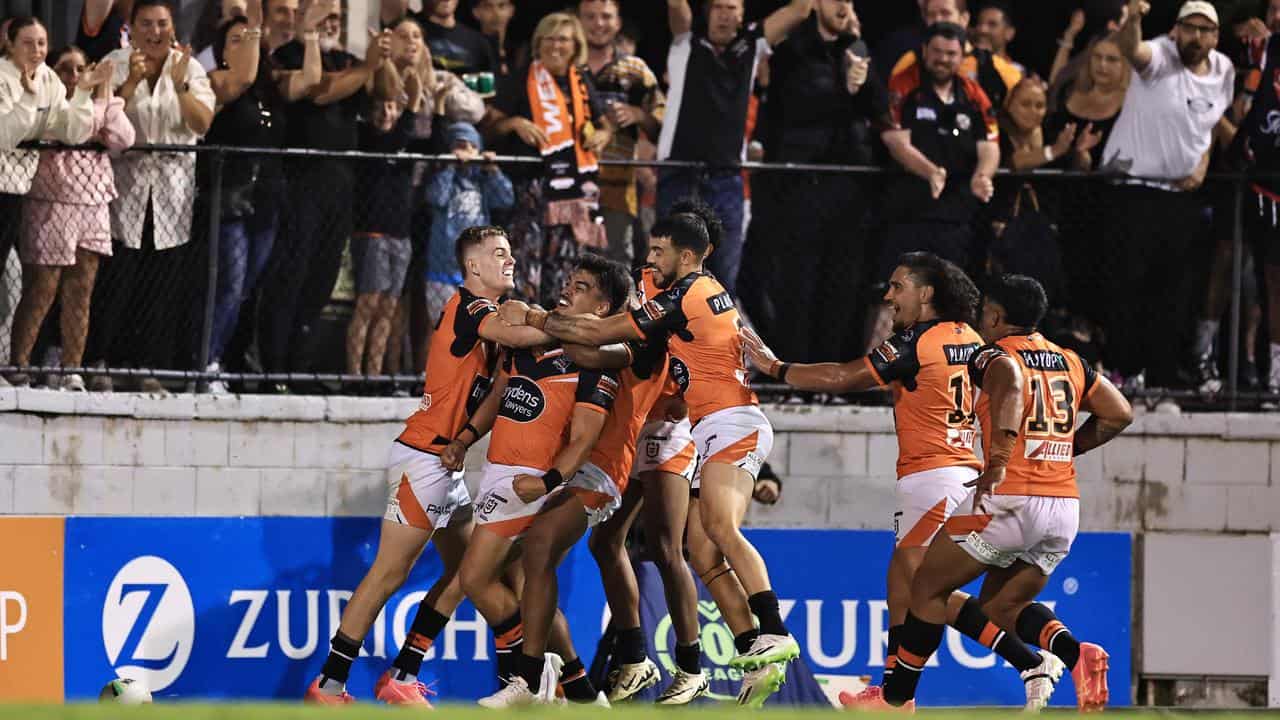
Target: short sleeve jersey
1055	383
647	290
536	410
702	324
642	384
459	373
927	367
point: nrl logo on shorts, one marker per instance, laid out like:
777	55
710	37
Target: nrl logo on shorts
425	404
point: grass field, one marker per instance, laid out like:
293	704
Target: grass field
230	711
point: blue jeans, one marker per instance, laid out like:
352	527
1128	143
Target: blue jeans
722	190
244	245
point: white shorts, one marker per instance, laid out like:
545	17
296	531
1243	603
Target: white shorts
423	493
925	500
739	436
664	446
501	511
1034	529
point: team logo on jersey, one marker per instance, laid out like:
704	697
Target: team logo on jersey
886	352
985	357
653	310
1048	450
477	307
523	401
963	122
607	387
680	373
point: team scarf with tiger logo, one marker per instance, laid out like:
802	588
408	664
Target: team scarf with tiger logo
568	163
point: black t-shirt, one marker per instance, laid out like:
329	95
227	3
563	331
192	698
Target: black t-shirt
385	202
458	49
322	127
706	115
110	37
512	100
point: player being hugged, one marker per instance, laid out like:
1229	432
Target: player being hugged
1026	506
732	436
926	364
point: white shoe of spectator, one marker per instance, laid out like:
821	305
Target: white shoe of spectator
73	383
216	387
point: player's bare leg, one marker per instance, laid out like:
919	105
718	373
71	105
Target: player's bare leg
947	567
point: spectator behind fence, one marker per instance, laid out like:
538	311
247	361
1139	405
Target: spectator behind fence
103	27
993	30
308	251
635	103
712	72
1180	89
66	224
460	196
280	18
551	109
144	293
993	73
215	15
381	246
441	93
824	100
494	17
454	47
251	114
944	134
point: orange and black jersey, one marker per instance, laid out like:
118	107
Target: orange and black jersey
927	367
460	367
535	412
648	289
706	350
643	383
1054	384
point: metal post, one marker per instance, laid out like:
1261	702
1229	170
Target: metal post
215	230
1237	282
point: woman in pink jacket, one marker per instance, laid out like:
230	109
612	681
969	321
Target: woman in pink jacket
66	224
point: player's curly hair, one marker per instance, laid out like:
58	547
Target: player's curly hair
1022	297
705	213
955	297
614	279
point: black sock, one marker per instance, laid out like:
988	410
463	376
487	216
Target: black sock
1039	626
764	605
742	643
917	641
342	652
577	686
689	657
508	638
427	625
891	657
973	623
530	668
630	647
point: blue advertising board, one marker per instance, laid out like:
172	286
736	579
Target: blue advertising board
245	607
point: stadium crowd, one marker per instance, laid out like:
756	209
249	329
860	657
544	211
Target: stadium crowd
114	246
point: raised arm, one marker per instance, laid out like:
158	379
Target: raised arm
1002	381
1110	414
1129	36
779	24
229	85
94	15
851	376
195	97
1066	44
679	16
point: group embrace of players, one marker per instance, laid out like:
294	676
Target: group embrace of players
566	396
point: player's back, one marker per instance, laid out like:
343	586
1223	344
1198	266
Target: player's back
706	350
459	373
926	365
1055	382
535	411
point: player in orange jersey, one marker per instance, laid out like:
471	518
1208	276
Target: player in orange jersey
733	437
547	415
925	362
428	499
1026	507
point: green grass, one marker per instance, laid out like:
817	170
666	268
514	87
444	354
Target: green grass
231	711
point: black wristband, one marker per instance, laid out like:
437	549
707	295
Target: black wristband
552	479
473	430
782	371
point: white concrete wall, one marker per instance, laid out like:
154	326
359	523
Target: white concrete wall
202	455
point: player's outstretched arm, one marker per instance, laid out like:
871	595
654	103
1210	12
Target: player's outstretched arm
513	335
480	424
818	377
614	356
1002	380
584	430
581	329
1110	415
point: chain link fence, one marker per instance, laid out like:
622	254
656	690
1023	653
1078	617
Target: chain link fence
217	268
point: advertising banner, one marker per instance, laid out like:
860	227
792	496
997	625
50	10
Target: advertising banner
227	607
31	609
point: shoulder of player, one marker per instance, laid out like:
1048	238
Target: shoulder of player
973	91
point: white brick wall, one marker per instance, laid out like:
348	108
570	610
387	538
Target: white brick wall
128	454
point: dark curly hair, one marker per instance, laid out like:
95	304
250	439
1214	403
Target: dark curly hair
614	278
955	297
692	225
705	213
1022	297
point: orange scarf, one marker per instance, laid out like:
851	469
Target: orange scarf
551	114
